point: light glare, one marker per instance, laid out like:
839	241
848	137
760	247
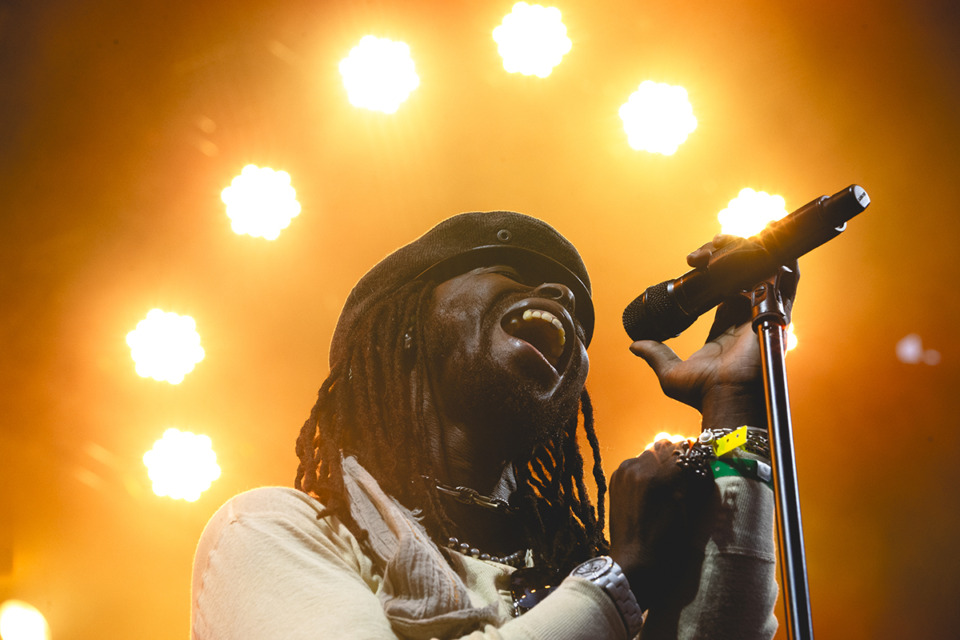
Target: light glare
379	74
792	340
260	202
165	346
532	39
22	621
663	435
910	350
181	465
658	117
748	213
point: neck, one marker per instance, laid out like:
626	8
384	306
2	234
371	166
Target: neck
491	531
482	467
467	462
474	455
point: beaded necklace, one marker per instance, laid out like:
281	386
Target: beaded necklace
515	559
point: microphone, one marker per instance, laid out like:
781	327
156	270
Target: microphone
665	310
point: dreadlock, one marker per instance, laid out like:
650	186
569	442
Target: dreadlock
365	408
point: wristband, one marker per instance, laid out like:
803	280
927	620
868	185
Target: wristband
743	467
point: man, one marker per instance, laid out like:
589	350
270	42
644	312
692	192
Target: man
441	492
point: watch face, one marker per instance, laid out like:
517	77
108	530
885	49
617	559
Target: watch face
593	568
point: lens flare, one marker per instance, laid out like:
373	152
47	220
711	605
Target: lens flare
532	39
748	213
165	346
181	465
260	202
379	74
658	118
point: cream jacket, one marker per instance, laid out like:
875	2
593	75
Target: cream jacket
267	569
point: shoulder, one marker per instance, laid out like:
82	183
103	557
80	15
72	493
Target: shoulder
266	564
269	510
267	501
282	506
278	520
278	526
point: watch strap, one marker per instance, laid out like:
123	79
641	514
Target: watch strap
608	575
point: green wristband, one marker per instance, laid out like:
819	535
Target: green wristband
743	467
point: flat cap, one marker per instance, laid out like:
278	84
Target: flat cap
464	242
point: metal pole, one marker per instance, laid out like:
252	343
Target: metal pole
769	323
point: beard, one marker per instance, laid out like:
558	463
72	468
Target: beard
510	408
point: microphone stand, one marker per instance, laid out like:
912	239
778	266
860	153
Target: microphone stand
665	310
769	322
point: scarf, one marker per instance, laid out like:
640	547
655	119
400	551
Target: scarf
422	595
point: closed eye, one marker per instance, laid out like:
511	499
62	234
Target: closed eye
505	271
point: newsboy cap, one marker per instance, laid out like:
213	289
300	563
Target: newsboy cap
467	241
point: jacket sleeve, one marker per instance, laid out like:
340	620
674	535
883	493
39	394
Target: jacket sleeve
737	589
266	568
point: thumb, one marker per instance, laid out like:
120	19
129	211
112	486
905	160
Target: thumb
659	356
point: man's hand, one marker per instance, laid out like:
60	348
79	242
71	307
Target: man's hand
658	513
723	380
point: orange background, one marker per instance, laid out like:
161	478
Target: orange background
120	123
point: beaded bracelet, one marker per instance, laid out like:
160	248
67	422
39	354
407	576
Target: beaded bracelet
744	451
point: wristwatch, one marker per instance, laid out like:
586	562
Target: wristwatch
605	573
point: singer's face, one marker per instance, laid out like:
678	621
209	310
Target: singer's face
507	351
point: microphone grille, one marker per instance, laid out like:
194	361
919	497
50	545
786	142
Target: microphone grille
655	315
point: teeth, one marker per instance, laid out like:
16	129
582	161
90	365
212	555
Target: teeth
546	316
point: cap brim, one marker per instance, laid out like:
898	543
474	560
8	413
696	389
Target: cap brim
539	266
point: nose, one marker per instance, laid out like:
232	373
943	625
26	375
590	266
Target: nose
559	292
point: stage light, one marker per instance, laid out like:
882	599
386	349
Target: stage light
260	202
532	39
22	621
658	117
165	346
181	465
750	212
379	74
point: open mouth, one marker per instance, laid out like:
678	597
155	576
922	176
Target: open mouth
541	329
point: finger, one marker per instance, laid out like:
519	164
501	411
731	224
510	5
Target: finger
701	256
664	449
722	239
631	470
659	356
